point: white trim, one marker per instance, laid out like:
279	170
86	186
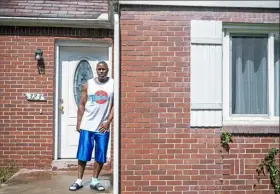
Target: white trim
101	22
252	28
247	4
103	16
270	64
255	120
251	122
206	106
225	82
207	41
116	102
110	65
57	94
56	100
83	43
110	56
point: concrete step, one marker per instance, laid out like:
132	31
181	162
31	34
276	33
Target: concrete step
72	164
50	182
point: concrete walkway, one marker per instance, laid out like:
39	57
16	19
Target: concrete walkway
51	182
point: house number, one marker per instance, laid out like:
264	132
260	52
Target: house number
35	97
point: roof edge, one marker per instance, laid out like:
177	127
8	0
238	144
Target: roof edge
239	4
101	22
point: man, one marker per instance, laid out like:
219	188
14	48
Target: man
95	114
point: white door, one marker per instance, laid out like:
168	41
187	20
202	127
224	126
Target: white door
77	64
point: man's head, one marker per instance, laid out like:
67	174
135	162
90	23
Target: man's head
102	70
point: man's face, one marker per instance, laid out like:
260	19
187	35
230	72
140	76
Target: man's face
102	70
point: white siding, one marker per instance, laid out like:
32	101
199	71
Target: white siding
206	118
206	73
206	32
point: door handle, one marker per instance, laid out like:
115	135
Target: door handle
61	108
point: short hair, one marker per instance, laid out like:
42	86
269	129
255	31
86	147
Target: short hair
104	63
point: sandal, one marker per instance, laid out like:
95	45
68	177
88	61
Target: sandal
75	187
97	187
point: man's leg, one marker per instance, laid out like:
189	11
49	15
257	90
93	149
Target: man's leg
81	169
84	153
97	167
101	146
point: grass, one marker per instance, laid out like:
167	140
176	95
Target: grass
7	172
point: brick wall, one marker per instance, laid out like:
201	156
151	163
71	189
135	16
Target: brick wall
239	166
26	136
160	153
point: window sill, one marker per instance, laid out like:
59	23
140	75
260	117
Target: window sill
269	126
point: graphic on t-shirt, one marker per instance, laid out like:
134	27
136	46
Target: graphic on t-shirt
100	97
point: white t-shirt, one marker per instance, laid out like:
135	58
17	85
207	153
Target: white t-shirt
99	101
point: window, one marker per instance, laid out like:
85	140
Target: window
251	76
82	74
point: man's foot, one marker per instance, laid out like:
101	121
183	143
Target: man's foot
97	187
75	187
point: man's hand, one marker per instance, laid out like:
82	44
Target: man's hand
104	127
78	129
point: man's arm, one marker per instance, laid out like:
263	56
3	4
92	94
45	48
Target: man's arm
111	115
81	108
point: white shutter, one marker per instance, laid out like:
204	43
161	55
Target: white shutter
206	73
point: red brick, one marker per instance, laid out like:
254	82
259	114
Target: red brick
195	152
20	75
155	116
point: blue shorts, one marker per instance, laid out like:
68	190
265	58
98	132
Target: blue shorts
86	145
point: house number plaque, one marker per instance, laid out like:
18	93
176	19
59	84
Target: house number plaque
35	97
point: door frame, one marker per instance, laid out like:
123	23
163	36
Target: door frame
57	91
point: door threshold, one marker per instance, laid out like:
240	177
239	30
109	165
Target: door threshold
72	164
64	164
